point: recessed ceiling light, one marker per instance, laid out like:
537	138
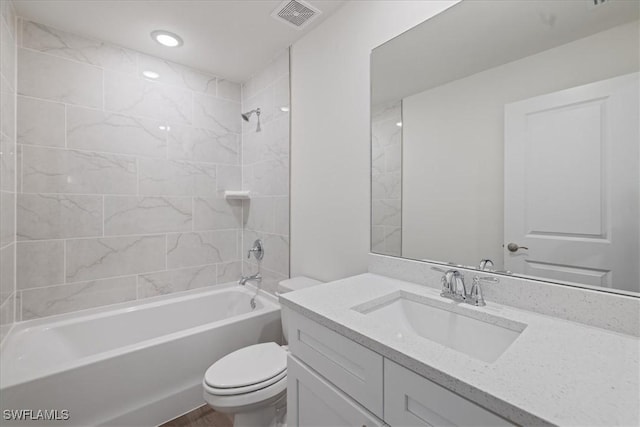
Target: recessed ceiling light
399	124
166	38
150	74
163	127
284	109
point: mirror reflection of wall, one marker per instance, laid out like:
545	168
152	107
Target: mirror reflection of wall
386	179
548	183
467	116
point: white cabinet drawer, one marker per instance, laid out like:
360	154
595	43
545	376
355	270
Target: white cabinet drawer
312	401
412	400
351	367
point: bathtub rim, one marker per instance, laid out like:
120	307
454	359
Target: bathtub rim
154	300
270	304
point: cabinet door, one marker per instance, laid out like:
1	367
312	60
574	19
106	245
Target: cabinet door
349	366
412	400
312	401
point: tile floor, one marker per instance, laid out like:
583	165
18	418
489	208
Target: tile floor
204	416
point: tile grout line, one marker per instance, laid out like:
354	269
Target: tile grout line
242	182
104	92
124	276
104	218
132	156
66	126
64	261
137	177
133	115
122	236
17	28
136	67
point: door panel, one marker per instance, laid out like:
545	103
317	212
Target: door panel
554	137
571	184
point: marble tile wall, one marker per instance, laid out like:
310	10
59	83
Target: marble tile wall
386	179
121	178
265	166
7	166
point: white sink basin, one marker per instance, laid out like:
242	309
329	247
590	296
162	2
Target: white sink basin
477	334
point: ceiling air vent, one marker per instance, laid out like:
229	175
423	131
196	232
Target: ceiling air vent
595	3
296	13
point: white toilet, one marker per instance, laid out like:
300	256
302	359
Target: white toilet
251	383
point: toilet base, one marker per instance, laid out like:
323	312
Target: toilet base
271	414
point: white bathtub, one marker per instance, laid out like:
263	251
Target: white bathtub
132	364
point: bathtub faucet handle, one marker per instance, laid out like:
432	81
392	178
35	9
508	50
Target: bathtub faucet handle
257	250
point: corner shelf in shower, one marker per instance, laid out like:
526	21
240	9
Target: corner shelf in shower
237	195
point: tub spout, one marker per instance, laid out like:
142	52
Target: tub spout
255	277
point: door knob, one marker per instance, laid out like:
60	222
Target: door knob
513	247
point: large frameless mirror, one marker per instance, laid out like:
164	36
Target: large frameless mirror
508	131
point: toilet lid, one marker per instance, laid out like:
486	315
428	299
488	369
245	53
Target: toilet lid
247	366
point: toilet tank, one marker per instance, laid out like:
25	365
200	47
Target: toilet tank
290	285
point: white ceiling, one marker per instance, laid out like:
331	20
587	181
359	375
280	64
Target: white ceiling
473	36
231	39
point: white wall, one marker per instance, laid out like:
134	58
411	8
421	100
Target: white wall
462	220
330	115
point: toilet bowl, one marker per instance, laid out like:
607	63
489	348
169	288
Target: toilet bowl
251	383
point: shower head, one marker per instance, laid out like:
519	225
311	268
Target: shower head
247	115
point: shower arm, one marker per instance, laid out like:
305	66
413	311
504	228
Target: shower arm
247	115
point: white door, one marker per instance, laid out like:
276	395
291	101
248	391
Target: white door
313	401
571	185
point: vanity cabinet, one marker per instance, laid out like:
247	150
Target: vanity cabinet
313	401
335	381
412	400
351	367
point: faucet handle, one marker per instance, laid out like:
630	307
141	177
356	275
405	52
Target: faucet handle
446	286
257	250
476	296
485	264
486	279
447	280
459	288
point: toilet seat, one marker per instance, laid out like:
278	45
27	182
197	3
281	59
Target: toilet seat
252	367
246	389
247	401
254	376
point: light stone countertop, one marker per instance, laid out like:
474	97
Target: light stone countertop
556	372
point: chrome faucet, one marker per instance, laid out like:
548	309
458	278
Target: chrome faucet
453	287
486	264
475	296
253	278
